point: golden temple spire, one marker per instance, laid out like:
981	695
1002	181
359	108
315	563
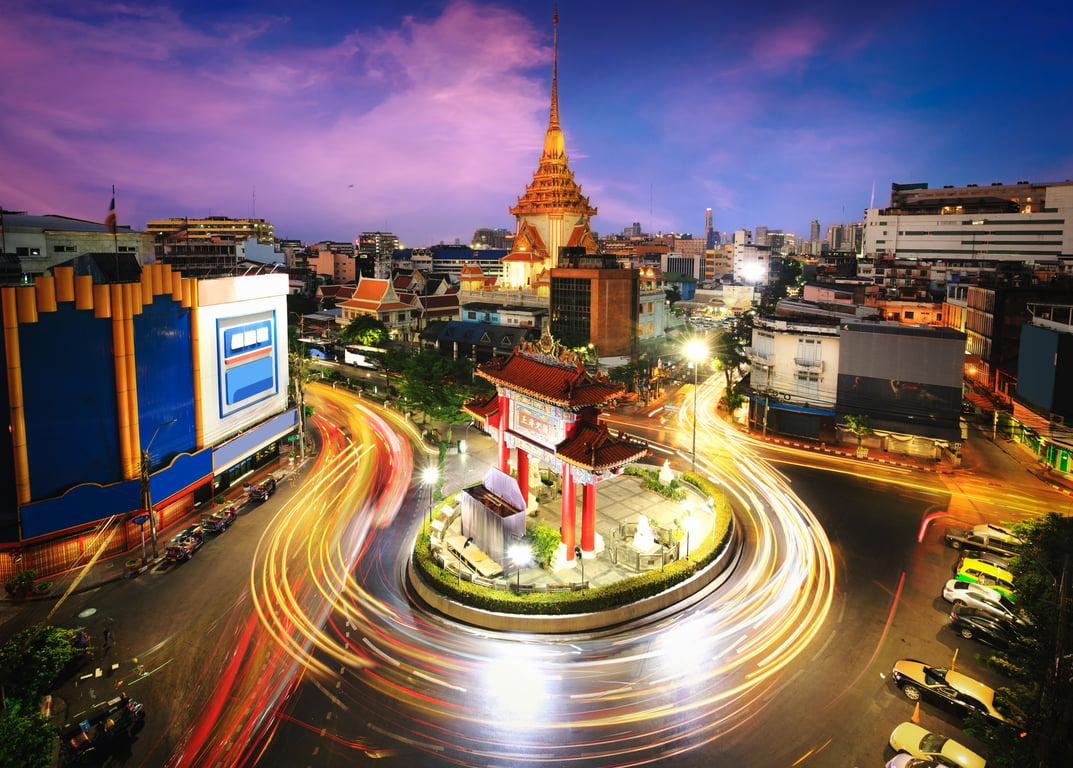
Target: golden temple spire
554	144
555	68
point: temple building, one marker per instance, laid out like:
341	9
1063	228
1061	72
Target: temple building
552	213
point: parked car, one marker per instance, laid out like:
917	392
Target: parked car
263	490
985	537
924	744
905	760
184	544
218	521
946	686
973	595
986	627
988	575
988	557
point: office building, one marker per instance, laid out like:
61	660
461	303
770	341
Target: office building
212	228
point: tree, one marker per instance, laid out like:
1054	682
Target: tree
543	542
861	425
27	738
728	356
32	659
1040	695
30	664
365	330
433	384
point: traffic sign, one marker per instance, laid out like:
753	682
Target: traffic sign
141	519
291	438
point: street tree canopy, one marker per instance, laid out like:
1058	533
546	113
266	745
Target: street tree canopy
434	385
365	330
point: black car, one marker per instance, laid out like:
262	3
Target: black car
218	521
263	490
984	626
185	543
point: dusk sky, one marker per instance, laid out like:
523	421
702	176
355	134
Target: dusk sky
427	119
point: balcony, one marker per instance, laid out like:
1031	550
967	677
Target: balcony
814	366
756	357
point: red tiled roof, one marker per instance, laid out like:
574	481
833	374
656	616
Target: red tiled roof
593	448
371	289
482	408
568	386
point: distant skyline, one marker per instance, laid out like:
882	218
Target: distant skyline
426	119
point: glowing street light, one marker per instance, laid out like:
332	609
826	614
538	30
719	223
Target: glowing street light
696	350
521	556
429	478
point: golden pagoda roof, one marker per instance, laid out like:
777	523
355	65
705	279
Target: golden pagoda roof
553	189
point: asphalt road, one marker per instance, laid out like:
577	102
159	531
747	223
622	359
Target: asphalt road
833	704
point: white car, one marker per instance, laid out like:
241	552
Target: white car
984	598
922	743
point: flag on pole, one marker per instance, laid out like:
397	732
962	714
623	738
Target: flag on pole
109	220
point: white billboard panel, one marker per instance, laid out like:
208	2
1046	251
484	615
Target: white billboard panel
242	352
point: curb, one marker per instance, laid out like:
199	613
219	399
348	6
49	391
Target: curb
681	596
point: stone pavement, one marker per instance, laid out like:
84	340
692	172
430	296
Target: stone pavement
620	501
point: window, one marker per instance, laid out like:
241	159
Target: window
908	314
64	249
28	253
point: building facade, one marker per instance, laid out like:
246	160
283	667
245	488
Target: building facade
212	228
595	301
183	379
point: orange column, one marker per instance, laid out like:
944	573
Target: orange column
588	518
568	516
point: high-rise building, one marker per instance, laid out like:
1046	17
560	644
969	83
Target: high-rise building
212	228
552	213
374	251
595	301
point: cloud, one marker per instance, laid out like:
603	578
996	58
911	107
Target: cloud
438	115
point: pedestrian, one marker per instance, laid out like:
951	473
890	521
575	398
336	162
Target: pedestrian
107	634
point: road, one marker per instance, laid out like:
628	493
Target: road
785	666
683	689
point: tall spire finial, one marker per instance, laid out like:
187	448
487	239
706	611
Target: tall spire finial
555	68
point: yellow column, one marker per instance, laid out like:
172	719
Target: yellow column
129	458
195	342
14	388
131	299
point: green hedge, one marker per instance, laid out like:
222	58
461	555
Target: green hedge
624	592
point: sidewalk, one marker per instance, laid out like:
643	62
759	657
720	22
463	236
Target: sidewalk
113	568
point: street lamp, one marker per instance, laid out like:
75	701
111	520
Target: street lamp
696	350
429	477
520	555
147	499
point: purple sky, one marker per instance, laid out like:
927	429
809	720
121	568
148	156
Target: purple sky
330	118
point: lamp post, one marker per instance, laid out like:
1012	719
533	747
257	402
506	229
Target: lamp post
696	351
520	555
147	498
429	477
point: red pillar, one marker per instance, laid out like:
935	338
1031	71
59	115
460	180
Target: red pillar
568	521
504	421
523	475
588	518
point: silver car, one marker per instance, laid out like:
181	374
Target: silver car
983	598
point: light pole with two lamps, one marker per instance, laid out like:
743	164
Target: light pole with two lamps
696	350
147	498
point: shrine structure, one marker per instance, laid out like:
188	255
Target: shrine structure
546	407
